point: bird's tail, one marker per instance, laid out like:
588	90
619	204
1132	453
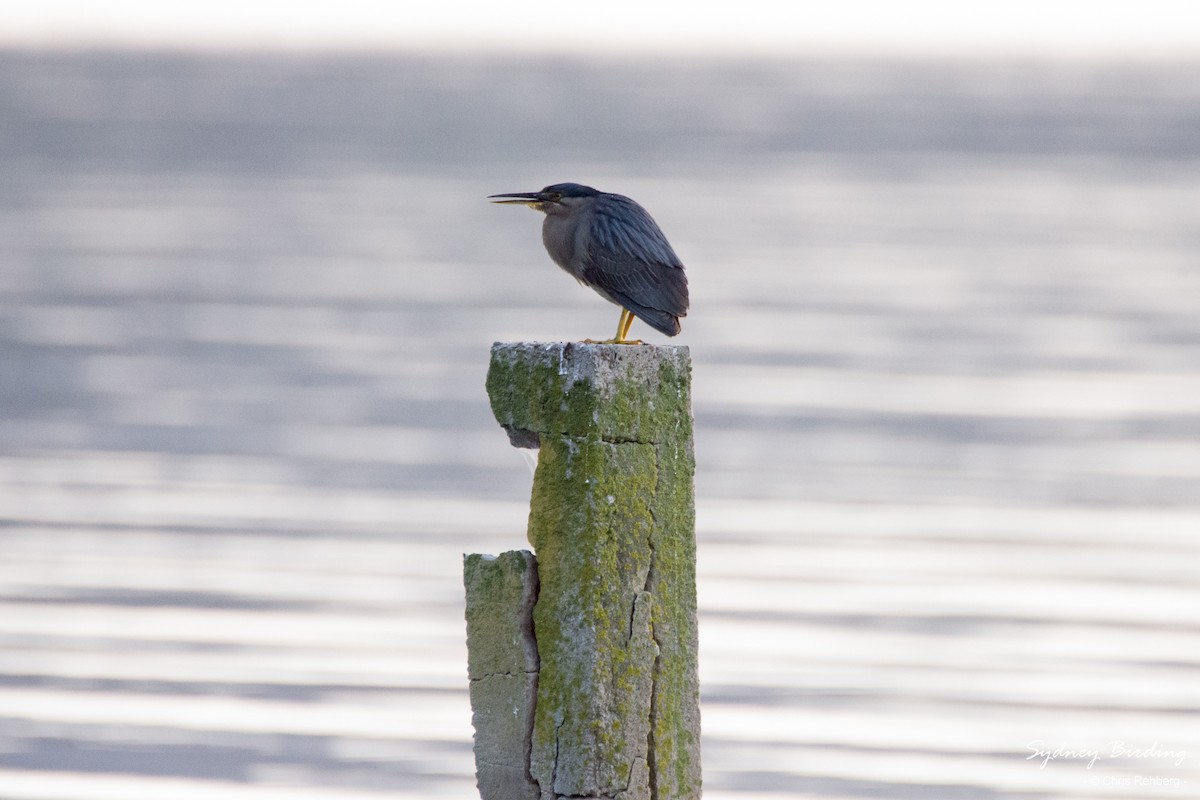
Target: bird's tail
661	321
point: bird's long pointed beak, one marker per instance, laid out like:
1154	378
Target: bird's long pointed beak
518	198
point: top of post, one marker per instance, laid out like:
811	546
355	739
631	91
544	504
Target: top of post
623	393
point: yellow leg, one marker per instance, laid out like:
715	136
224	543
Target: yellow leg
623	326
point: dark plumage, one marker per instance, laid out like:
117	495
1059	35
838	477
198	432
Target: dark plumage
610	243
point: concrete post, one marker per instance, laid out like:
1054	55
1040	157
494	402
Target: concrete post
601	626
502	665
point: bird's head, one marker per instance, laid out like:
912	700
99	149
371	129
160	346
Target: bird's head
560	198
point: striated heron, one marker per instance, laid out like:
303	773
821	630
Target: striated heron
610	243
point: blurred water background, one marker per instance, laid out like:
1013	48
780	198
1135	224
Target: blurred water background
946	337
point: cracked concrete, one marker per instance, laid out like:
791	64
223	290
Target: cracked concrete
502	666
613	706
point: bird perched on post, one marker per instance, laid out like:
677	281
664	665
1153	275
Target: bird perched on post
610	243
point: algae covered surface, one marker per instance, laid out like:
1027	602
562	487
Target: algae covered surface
612	522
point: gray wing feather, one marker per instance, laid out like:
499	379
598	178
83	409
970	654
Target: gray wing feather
631	260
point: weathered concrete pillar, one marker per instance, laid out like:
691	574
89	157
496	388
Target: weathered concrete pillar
600	697
502	665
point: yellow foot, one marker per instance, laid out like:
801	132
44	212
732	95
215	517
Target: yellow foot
622	331
612	341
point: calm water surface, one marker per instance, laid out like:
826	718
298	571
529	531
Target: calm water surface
946	339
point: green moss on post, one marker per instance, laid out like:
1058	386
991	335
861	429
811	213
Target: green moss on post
502	664
612	521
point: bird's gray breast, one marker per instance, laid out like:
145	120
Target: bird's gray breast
560	234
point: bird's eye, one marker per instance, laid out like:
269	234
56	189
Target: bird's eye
556	196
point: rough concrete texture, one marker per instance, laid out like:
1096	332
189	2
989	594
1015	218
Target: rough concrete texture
612	522
502	664
614	392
